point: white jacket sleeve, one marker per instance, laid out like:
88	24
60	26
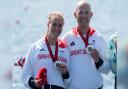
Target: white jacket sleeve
68	80
27	68
105	67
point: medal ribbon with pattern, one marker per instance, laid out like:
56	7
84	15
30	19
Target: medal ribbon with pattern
54	57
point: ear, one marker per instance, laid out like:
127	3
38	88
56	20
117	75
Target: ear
75	14
91	14
48	24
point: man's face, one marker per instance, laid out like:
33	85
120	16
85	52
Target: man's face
55	26
83	15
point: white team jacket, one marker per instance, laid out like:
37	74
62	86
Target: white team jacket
38	56
83	71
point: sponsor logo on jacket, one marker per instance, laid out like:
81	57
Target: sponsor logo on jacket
78	52
47	56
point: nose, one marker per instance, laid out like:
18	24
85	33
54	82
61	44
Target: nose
84	14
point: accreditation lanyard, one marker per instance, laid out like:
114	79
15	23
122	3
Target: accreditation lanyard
54	57
85	39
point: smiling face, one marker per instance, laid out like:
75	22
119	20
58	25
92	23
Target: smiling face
55	25
83	14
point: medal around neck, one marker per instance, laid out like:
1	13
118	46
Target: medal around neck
60	60
89	49
58	63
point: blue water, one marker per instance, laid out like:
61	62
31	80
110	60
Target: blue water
24	21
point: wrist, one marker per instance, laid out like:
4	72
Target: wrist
99	63
32	84
65	75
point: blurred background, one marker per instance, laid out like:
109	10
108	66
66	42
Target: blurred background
24	21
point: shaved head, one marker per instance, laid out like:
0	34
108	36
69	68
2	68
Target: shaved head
83	14
82	3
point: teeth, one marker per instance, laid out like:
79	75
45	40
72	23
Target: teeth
83	20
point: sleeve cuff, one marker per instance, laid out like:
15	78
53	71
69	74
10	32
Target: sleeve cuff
31	83
65	76
100	63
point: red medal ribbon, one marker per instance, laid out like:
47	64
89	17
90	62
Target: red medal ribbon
54	57
85	40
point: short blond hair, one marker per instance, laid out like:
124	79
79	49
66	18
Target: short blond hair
56	14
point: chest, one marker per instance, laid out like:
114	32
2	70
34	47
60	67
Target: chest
42	53
77	45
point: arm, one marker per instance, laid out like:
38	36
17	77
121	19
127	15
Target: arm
28	76
103	60
66	69
66	76
99	54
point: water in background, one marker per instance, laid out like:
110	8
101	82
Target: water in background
24	21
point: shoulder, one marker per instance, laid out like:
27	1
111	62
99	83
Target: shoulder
37	43
72	33
67	35
95	34
62	43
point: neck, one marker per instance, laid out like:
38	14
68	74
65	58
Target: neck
83	29
52	40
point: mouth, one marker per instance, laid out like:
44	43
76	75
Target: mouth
83	20
57	33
